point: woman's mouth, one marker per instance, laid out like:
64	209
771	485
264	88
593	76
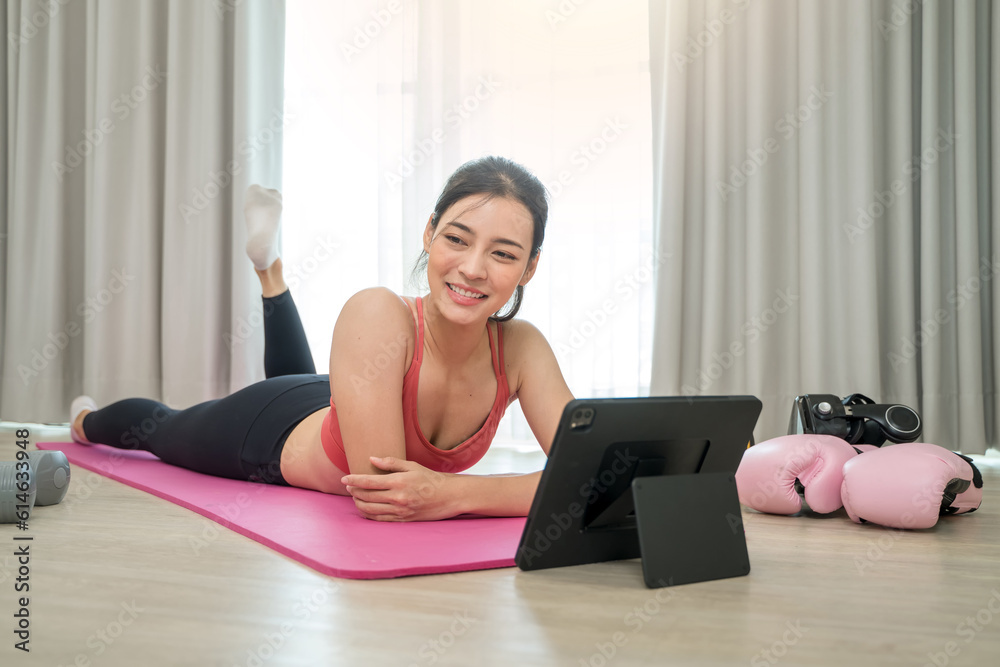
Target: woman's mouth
464	296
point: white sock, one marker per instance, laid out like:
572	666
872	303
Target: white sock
262	210
79	404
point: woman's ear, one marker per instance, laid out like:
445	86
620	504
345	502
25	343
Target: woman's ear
530	271
428	234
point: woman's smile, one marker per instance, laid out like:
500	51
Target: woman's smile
465	296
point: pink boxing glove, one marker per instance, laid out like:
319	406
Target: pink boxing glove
910	485
772	472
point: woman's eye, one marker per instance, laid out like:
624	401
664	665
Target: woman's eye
453	239
503	255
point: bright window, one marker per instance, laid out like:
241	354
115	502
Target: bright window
386	99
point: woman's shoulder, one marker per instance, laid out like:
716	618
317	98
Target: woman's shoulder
519	327
381	298
377	309
528	356
522	339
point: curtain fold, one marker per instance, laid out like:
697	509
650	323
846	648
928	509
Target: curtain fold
132	131
823	178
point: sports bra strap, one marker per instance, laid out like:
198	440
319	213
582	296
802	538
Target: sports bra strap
493	357
502	370
418	350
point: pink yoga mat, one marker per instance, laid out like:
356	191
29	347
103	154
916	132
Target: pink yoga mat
322	531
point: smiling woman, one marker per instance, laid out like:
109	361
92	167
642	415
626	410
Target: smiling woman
417	386
465	244
510	194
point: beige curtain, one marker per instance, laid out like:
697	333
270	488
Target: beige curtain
131	132
822	176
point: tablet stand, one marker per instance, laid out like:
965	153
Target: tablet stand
690	528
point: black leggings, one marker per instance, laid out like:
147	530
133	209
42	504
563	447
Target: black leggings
240	436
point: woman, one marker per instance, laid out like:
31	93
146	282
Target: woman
416	386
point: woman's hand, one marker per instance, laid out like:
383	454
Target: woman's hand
410	492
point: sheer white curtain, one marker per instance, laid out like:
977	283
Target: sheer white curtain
388	98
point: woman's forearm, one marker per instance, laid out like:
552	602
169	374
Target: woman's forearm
497	495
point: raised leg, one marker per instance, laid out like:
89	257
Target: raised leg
286	349
272	280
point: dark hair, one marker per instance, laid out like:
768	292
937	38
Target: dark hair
495	177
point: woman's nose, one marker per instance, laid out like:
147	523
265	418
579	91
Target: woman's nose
474	266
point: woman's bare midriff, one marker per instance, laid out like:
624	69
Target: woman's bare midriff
304	463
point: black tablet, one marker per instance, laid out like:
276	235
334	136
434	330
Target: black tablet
679	453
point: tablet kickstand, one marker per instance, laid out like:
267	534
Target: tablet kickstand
690	528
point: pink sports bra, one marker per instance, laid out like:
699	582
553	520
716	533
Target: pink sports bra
418	448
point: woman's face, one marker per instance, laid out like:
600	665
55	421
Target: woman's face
478	255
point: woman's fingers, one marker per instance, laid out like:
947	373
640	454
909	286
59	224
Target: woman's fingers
375	482
370	495
392	464
380	511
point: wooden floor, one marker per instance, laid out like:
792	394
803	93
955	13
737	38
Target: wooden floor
118	577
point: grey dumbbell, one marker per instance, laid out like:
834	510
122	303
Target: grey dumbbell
48	480
51	470
17	492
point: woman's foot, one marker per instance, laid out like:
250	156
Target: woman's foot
272	280
262	211
78	409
